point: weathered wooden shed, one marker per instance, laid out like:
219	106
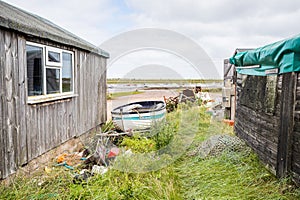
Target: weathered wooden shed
268	104
52	87
229	89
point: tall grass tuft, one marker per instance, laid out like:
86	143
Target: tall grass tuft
230	175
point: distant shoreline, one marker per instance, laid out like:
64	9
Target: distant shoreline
162	81
131	88
215	89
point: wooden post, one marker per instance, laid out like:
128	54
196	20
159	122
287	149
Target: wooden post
2	120
287	103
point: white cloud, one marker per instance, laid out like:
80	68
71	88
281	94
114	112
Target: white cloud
92	20
211	10
152	57
218	26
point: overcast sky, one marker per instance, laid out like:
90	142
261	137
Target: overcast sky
218	26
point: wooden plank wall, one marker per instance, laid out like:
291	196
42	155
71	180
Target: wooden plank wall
27	131
295	157
229	70
2	95
271	124
9	100
92	91
286	126
49	125
253	123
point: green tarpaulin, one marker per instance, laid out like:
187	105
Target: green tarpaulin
279	57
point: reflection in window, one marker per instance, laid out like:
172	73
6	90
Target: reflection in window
52	80
34	70
53	56
54	77
67	73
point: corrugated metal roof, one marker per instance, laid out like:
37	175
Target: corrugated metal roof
34	25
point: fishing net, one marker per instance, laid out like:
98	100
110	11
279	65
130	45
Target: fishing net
218	144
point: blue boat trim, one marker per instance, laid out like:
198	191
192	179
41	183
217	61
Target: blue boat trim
140	118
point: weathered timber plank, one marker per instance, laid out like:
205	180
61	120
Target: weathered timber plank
297	126
44	130
89	119
73	109
286	124
94	70
39	133
28	132
81	94
56	123
61	126
47	133
88	98
296	164
295	157
9	101
67	116
296	142
2	111
22	144
34	133
51	110
102	92
15	100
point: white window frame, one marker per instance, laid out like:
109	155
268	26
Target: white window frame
73	72
53	65
55	50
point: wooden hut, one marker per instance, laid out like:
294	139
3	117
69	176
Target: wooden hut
52	87
229	90
268	104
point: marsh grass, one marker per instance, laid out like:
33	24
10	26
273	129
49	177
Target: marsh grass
231	175
120	94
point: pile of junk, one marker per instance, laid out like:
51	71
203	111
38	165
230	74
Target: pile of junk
95	158
214	106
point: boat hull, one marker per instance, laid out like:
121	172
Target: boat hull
142	116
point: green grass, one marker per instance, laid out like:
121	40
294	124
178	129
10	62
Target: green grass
232	175
212	90
120	94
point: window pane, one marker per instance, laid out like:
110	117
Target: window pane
34	70
53	56
52	79
67	73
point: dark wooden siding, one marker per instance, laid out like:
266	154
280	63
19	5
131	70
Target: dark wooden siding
27	131
268	119
295	159
257	119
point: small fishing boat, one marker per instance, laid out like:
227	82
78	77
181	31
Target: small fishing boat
138	115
